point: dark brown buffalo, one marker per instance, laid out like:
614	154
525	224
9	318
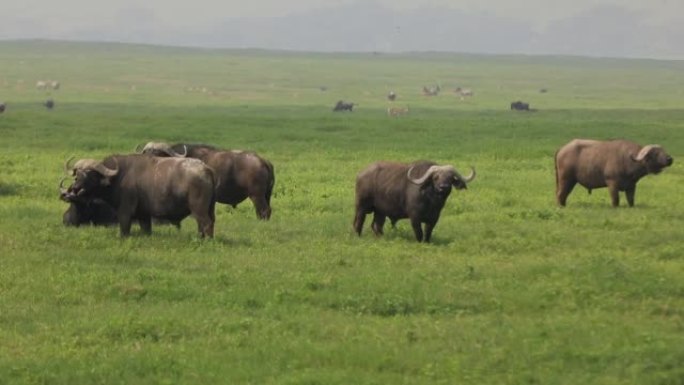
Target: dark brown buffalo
141	187
416	191
94	212
2	107
520	106
239	174
343	106
616	164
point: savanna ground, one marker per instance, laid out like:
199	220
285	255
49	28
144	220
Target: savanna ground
513	289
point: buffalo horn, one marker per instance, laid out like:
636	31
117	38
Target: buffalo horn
644	151
67	168
427	174
62	190
96	165
104	170
469	177
176	154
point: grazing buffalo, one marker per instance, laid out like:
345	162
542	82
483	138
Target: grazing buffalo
3	106
432	91
239	174
520	106
141	187
88	212
49	104
416	191
396	111
343	106
616	164
94	212
463	92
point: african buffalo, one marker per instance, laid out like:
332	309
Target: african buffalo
432	91
141	187
416	191
344	106
239	174
520	106
616	164
2	107
49	104
94	212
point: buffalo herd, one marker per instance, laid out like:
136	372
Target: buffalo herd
164	183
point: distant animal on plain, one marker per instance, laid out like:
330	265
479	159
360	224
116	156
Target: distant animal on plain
239	174
343	106
520	106
49	104
543	90
47	85
616	164
463	92
396	111
415	190
3	106
432	91
323	88
391	96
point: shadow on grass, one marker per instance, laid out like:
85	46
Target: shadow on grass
398	234
9	189
606	206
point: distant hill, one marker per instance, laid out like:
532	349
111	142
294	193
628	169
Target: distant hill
605	31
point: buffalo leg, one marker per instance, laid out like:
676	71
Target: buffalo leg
429	226
124	225
417	230
359	218
378	223
206	220
145	225
263	209
629	192
205	226
564	189
614	193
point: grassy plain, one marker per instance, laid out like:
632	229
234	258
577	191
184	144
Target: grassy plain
513	290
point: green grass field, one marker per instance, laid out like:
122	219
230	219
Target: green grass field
513	290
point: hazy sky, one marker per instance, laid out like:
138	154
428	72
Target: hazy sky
168	21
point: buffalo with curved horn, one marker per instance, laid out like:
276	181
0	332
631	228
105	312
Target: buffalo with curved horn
86	211
239	174
417	191
616	164
142	187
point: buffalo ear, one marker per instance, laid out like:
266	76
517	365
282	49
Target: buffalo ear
459	184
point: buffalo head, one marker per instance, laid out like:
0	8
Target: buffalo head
90	175
442	178
654	158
